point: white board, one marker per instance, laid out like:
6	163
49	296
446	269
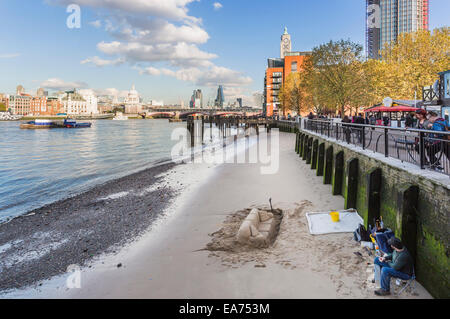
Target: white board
321	223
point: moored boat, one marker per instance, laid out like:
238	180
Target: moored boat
38	124
69	123
120	117
48	124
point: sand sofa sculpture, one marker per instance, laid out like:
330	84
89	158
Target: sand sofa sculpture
259	229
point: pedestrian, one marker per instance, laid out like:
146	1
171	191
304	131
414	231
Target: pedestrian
399	264
346	128
437	142
408	120
422	124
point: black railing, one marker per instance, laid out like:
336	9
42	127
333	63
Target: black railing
426	149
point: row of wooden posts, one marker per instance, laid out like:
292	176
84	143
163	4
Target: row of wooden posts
196	126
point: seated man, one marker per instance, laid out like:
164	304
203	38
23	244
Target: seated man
399	264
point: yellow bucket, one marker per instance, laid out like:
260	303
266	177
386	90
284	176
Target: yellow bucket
334	217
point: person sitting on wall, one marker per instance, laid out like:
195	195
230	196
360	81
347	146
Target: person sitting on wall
399	264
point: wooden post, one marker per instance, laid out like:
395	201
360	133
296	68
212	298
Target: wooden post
352	184
203	127
192	131
338	176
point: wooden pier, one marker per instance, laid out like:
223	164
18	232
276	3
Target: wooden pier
196	126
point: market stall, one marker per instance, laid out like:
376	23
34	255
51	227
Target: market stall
394	116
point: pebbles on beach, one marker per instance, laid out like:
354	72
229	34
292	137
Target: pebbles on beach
44	242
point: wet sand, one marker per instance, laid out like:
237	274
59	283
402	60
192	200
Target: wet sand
170	260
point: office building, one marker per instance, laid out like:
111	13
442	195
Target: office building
74	103
239	101
218	103
19	104
196	99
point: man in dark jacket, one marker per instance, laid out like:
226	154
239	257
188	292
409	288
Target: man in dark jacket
399	264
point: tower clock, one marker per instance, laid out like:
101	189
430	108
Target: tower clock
286	44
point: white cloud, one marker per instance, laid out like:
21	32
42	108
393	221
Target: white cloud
150	71
151	31
220	75
169	9
138	52
101	62
61	85
83	88
97	24
210	77
146	32
105	92
9	56
111	92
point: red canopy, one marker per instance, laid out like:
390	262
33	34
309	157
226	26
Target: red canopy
400	108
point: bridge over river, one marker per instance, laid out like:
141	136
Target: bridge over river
185	113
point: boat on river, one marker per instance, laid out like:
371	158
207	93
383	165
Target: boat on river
38	124
120	117
48	124
68	123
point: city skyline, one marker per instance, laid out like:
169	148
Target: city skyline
167	53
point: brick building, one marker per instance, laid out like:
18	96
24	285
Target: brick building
277	72
19	104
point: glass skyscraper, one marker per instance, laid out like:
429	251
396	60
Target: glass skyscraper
387	19
220	98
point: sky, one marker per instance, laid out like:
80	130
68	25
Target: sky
167	48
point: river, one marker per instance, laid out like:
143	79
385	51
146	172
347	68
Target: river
38	167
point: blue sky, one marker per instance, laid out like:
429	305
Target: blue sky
167	48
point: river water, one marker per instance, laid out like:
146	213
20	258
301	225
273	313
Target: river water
38	167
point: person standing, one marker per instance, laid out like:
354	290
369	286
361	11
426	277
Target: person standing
408	120
422	124
372	120
346	128
437	142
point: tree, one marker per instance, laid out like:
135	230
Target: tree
293	95
339	79
410	64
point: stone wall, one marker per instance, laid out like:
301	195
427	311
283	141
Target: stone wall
412	202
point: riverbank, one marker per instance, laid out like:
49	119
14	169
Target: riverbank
170	260
45	241
6	116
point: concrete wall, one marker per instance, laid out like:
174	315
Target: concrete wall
412	202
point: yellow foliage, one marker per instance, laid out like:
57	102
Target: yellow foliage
411	63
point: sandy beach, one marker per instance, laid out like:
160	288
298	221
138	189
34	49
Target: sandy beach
170	259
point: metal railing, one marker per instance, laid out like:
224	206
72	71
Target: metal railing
426	149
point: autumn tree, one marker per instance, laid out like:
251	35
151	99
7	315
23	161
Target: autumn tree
409	64
293	93
339	78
